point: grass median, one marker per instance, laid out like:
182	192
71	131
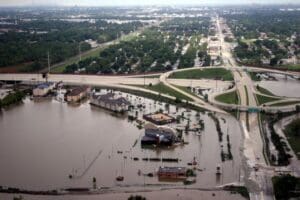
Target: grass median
229	98
206	73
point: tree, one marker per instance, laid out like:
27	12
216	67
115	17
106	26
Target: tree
274	61
284	186
137	197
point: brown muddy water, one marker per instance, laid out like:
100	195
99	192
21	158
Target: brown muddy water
153	195
282	86
42	143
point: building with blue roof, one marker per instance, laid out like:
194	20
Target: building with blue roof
43	89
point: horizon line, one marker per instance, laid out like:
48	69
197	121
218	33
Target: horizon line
152	5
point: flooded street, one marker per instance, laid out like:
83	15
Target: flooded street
42	143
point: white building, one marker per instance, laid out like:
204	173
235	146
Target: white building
43	89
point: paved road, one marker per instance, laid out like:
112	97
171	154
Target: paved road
164	79
253	142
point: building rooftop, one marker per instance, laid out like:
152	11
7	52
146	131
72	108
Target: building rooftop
172	170
44	85
76	91
111	98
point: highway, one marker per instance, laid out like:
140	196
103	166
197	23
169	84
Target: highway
253	142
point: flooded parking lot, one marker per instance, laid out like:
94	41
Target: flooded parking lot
43	143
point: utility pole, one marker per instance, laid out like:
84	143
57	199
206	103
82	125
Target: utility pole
79	47
48	63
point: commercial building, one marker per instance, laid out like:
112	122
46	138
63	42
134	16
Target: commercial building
158	135
110	101
43	89
78	93
172	173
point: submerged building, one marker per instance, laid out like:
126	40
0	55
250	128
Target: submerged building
158	135
43	89
78	93
159	118
110	101
172	173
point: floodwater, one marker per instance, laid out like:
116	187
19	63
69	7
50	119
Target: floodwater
283	86
163	194
42	143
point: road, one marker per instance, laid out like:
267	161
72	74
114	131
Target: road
164	79
260	185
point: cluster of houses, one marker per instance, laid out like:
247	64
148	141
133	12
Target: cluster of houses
73	95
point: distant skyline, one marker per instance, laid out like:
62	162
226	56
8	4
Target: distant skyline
138	2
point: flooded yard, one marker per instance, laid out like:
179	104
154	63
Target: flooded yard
43	143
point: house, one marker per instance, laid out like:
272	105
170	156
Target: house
158	135
43	89
110	101
172	173
76	94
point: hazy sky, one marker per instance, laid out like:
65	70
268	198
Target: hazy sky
137	2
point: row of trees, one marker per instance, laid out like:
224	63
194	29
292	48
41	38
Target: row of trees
187	26
253	53
12	98
156	49
273	22
149	52
60	38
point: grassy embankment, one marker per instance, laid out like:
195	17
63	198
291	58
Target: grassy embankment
12	98
229	98
261	99
208	73
163	89
285	103
292	132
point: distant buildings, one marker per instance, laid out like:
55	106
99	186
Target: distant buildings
158	135
77	94
43	89
110	101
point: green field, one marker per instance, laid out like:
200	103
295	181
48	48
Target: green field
293	67
186	89
207	73
265	99
229	98
151	76
292	132
253	76
163	89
